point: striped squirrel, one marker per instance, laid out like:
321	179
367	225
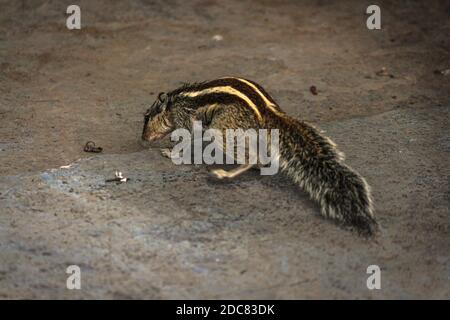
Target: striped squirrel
310	159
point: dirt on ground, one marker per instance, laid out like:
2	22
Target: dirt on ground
176	232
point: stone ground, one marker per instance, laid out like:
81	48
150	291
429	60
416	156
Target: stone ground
174	231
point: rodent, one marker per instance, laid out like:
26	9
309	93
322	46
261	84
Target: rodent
310	159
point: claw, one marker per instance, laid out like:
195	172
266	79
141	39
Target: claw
166	153
219	173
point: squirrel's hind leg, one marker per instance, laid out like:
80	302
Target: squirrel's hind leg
222	174
231	117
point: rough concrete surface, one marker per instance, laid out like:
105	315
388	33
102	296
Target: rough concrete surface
176	232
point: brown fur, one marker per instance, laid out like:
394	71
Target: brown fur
307	157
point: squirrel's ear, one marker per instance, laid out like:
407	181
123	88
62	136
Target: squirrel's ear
168	103
162	96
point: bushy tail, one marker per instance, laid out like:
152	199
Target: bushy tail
342	194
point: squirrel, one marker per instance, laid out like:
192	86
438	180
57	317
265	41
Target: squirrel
309	158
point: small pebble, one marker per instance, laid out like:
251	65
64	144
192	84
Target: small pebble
445	72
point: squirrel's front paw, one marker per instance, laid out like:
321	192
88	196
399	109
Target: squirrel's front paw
166	153
219	173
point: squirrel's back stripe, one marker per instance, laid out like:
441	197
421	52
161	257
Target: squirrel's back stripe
226	90
253	91
264	95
